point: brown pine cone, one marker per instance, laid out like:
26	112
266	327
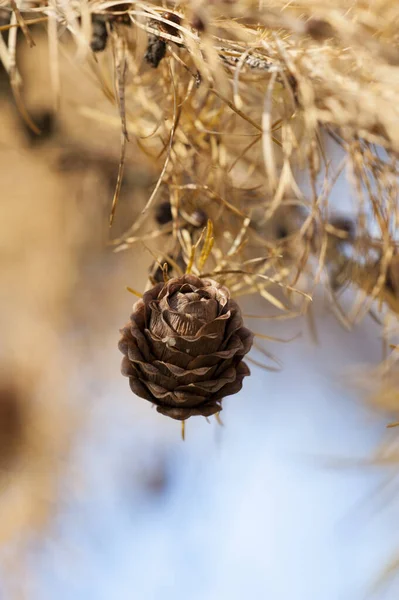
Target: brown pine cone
184	347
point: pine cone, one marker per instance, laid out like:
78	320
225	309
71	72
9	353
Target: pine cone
184	347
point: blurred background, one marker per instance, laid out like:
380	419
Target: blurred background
100	497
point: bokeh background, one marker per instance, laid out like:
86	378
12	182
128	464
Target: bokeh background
105	501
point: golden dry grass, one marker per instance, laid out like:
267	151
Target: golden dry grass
227	126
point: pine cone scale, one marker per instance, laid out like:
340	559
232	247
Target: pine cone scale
204	387
137	343
167	352
190	346
180	414
162	397
185	376
234	386
183	324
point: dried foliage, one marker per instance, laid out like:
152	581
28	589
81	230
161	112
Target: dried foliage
232	103
228	108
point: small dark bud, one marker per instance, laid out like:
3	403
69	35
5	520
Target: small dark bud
319	30
45	121
99	33
281	231
156	50
345	227
122	18
392	276
163	213
197	23
294	87
168	27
